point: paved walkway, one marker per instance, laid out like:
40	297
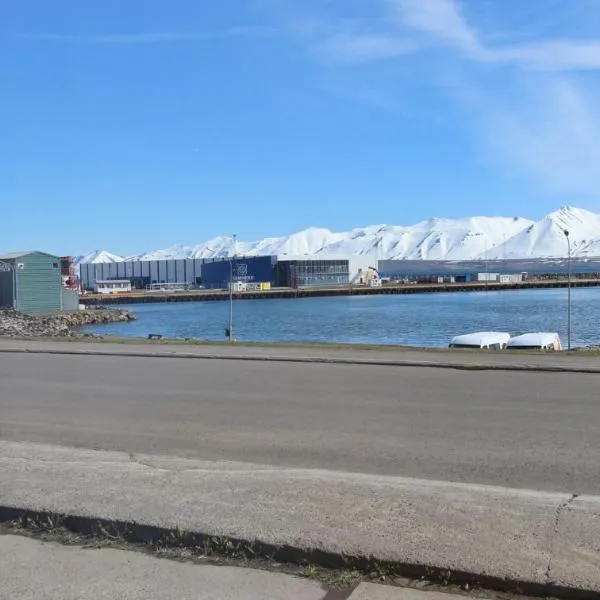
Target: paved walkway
414	357
31	569
517	535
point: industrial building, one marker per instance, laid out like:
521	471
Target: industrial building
144	273
290	271
313	272
216	273
251	269
32	282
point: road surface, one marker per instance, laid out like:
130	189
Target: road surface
526	430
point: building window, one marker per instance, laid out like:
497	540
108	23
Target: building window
55	265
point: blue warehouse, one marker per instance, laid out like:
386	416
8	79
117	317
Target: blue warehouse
251	269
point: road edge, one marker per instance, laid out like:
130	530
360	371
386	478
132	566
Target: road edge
311	360
40	522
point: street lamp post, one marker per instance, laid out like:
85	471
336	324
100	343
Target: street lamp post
231	257
566	232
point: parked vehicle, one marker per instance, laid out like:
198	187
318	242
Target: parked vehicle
542	340
486	340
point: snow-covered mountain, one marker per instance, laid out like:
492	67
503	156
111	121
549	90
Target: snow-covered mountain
309	241
436	239
547	238
98	256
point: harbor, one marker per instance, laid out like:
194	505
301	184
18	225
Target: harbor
419	320
204	295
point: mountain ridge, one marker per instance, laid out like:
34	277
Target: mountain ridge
470	238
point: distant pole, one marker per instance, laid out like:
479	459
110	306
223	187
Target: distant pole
487	273
566	232
231	257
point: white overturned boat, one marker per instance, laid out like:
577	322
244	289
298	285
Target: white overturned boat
542	340
486	340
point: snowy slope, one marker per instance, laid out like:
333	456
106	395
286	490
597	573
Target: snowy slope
435	239
546	238
461	239
310	241
99	256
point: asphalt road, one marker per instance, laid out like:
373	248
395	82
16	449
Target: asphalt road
529	430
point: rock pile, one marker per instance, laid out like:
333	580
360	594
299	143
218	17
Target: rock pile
16	324
99	316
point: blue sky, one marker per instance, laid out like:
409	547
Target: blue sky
135	124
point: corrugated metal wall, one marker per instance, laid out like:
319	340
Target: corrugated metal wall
38	283
180	274
187	270
190	270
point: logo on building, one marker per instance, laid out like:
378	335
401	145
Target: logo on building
5	267
241	269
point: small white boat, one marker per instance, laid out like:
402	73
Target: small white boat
487	340
543	340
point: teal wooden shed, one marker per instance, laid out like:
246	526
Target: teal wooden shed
30	282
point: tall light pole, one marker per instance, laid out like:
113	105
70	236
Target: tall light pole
566	232
487	274
231	257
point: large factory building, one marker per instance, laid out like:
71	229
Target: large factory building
282	271
144	273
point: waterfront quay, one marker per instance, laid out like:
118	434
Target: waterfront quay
146	296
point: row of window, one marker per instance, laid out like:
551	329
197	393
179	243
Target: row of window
319	280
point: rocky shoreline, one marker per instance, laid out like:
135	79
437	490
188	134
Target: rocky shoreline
67	324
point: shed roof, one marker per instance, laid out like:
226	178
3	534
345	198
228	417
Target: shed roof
12	255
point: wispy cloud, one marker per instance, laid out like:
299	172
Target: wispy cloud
552	131
411	26
443	22
560	55
356	48
536	118
440	18
153	38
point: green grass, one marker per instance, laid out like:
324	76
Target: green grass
301	345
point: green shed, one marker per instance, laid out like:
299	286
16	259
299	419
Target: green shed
30	282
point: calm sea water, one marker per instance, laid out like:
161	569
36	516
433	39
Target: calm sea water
417	320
